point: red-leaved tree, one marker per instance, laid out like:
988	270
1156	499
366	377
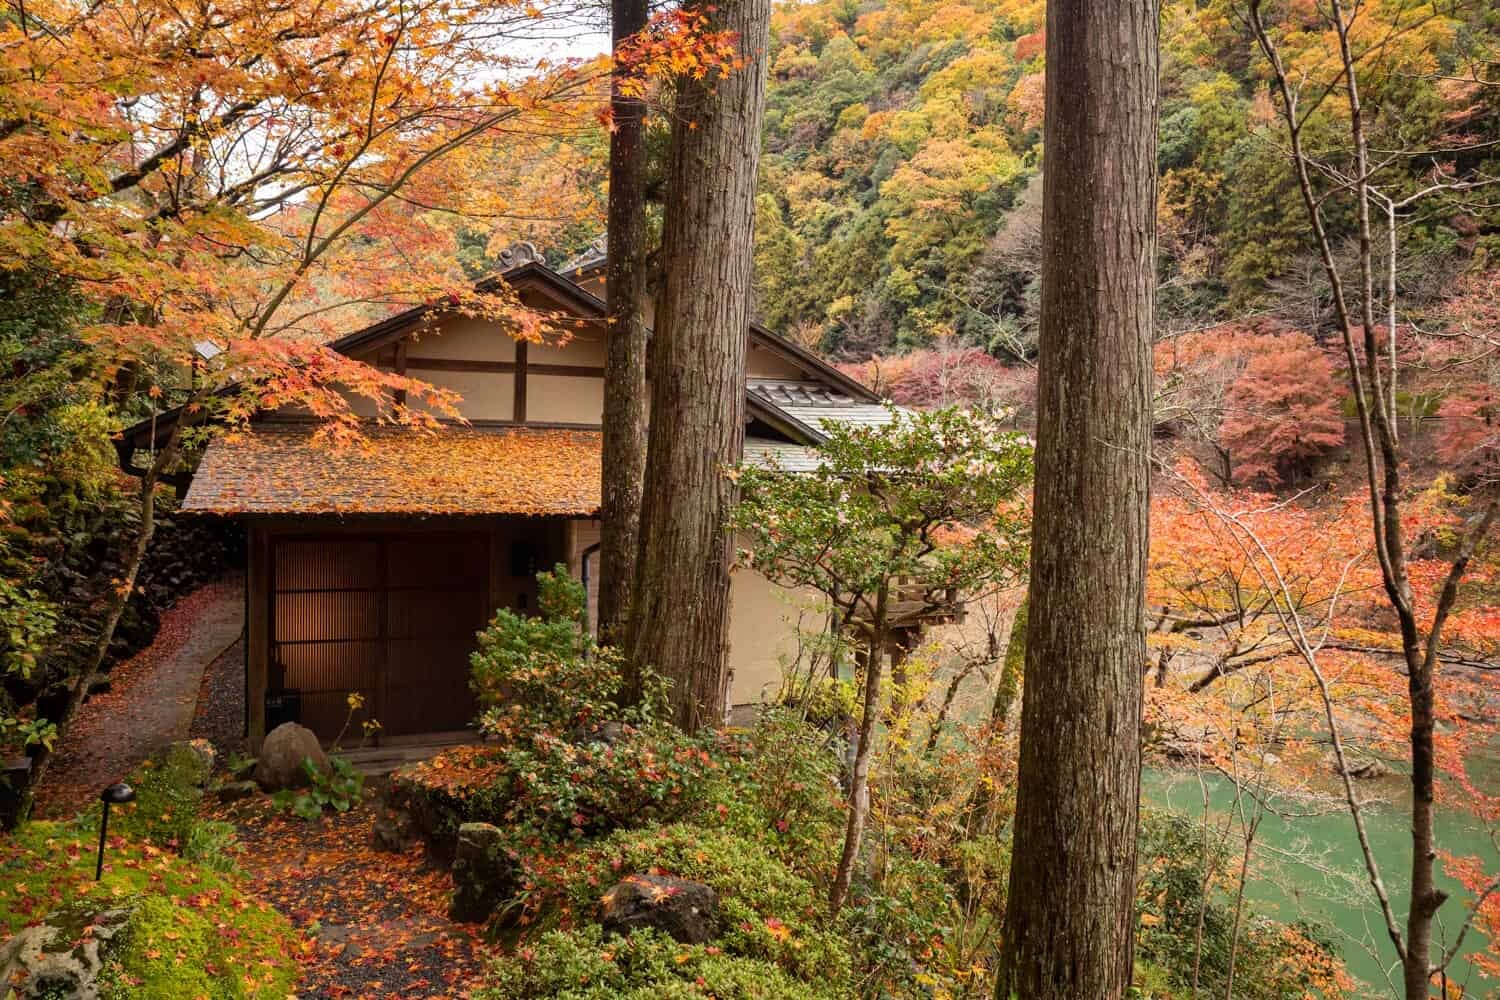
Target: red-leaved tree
948	375
1282	414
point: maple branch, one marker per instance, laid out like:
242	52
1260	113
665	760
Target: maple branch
427	206
1267	568
1228	666
317	248
53	212
1463	930
1449	592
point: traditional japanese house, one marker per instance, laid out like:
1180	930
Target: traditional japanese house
371	568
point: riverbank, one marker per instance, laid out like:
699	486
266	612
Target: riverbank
1307	865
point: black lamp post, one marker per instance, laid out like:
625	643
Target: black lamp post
117	794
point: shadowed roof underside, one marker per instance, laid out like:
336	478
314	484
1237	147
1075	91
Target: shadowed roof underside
281	469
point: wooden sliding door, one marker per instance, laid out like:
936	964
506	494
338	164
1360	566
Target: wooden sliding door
390	617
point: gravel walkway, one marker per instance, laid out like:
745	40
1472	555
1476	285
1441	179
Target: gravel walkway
220	717
150	702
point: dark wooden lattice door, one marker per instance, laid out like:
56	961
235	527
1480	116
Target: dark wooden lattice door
391	618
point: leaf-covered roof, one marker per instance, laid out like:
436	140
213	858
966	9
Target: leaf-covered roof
280	468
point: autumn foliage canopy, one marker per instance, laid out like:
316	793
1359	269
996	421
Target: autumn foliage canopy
234	184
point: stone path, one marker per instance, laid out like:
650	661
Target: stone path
150	701
220	718
376	923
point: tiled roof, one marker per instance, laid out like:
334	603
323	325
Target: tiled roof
785	456
797	392
280	469
593	255
813	403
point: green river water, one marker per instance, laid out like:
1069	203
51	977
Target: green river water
1310	868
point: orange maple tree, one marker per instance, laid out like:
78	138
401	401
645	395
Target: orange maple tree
1274	650
232	183
1265	400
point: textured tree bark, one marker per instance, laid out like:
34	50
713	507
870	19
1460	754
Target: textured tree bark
864	744
680	608
1070	918
625	401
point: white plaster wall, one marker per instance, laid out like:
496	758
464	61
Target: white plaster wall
464	337
564	399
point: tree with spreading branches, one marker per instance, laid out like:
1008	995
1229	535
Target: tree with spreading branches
895	524
1328	132
231	185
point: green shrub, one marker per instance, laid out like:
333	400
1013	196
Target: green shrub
781	785
563	789
586	965
546	674
768	911
547	790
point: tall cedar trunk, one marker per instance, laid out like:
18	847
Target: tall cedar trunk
1069	924
681	604
625	411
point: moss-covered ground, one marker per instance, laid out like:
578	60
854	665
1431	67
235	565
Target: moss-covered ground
193	931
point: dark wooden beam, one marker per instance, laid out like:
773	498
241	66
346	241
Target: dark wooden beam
401	370
521	372
503	367
570	371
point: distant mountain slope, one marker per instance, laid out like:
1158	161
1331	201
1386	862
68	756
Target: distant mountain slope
899	197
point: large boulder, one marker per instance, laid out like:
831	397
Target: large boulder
688	911
281	755
61	957
484	874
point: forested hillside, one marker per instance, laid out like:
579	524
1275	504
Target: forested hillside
773	690
901	202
